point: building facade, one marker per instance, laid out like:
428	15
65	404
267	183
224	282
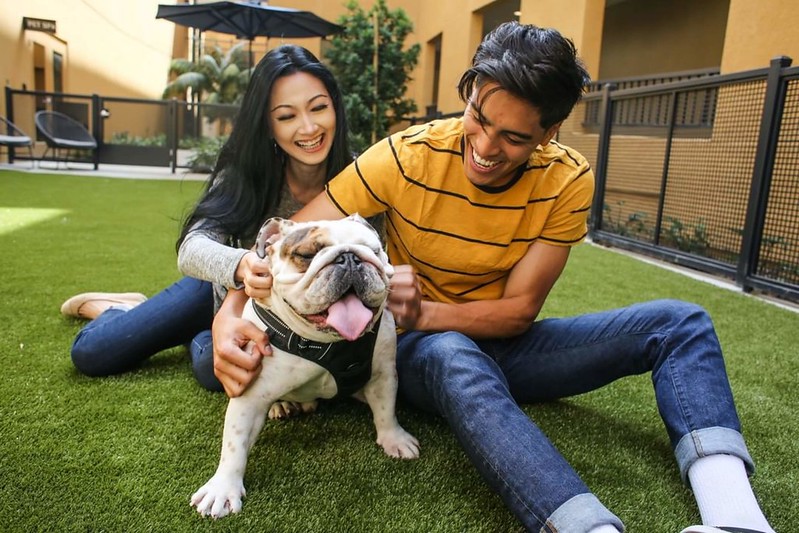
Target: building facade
120	49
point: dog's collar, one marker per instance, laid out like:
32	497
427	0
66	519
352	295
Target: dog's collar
350	362
282	337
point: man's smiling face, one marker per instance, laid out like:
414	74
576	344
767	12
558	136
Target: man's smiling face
501	131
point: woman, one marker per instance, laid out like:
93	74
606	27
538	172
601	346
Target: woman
289	139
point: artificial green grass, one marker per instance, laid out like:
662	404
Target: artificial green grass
124	453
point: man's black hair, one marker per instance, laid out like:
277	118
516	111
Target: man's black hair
535	64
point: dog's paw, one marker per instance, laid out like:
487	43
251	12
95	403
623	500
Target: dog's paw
219	497
281	410
399	443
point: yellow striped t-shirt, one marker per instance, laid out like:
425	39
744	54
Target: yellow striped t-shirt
462	240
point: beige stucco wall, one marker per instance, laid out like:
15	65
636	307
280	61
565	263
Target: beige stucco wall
119	49
461	34
460	30
656	36
110	47
759	31
579	20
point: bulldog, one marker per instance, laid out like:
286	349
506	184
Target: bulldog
331	335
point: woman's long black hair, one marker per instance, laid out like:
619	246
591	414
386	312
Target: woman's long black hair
244	187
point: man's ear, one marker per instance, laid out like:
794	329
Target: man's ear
550	133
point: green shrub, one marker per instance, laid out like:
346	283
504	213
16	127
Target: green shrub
205	153
124	137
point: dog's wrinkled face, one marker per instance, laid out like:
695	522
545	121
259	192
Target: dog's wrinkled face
329	275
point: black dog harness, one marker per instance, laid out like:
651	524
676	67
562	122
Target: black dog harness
350	362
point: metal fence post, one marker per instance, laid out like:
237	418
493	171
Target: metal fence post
664	177
97	129
761	175
600	172
10	117
173	132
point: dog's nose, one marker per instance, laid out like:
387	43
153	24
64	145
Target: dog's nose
348	260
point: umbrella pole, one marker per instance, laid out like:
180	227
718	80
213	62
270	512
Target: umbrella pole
374	66
249	57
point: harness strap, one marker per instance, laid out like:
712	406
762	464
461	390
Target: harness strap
349	362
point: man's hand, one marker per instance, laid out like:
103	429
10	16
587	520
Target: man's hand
239	346
254	273
405	297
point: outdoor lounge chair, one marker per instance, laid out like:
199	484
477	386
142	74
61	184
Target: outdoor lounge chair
62	132
12	137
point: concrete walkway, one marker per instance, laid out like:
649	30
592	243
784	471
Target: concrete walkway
105	171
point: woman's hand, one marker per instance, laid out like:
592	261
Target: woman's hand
405	297
239	346
254	273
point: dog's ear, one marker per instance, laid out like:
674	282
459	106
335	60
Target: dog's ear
356	217
270	232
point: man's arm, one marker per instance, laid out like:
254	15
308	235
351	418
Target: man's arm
234	366
320	208
525	293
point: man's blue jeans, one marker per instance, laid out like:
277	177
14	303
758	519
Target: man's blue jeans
118	341
477	386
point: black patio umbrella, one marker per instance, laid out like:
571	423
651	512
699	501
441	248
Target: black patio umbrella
248	20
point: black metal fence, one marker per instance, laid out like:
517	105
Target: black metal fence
128	131
702	172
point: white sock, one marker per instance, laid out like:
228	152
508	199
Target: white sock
605	528
724	495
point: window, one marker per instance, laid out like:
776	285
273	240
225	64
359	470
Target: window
58	72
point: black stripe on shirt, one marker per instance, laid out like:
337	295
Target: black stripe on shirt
439	150
448	193
486	284
567	150
400	243
560	241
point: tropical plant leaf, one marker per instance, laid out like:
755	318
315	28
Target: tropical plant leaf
218	77
195	81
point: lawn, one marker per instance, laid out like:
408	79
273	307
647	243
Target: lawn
125	453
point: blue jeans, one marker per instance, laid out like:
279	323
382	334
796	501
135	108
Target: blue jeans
118	341
476	385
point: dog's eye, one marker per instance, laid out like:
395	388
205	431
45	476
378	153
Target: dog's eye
302	246
306	251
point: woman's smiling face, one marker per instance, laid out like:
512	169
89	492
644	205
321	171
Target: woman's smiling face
302	117
501	131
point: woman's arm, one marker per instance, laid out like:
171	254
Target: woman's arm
203	255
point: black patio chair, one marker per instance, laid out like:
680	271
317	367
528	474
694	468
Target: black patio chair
12	137
62	132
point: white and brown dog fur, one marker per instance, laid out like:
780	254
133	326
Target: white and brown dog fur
314	265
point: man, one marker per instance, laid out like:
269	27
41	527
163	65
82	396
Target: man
481	214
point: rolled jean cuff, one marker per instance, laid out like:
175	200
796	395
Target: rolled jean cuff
711	441
583	512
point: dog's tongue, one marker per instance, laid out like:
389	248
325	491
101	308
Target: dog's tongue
349	317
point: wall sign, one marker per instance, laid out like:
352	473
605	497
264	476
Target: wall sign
47	26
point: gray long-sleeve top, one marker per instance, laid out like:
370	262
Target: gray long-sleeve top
208	255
